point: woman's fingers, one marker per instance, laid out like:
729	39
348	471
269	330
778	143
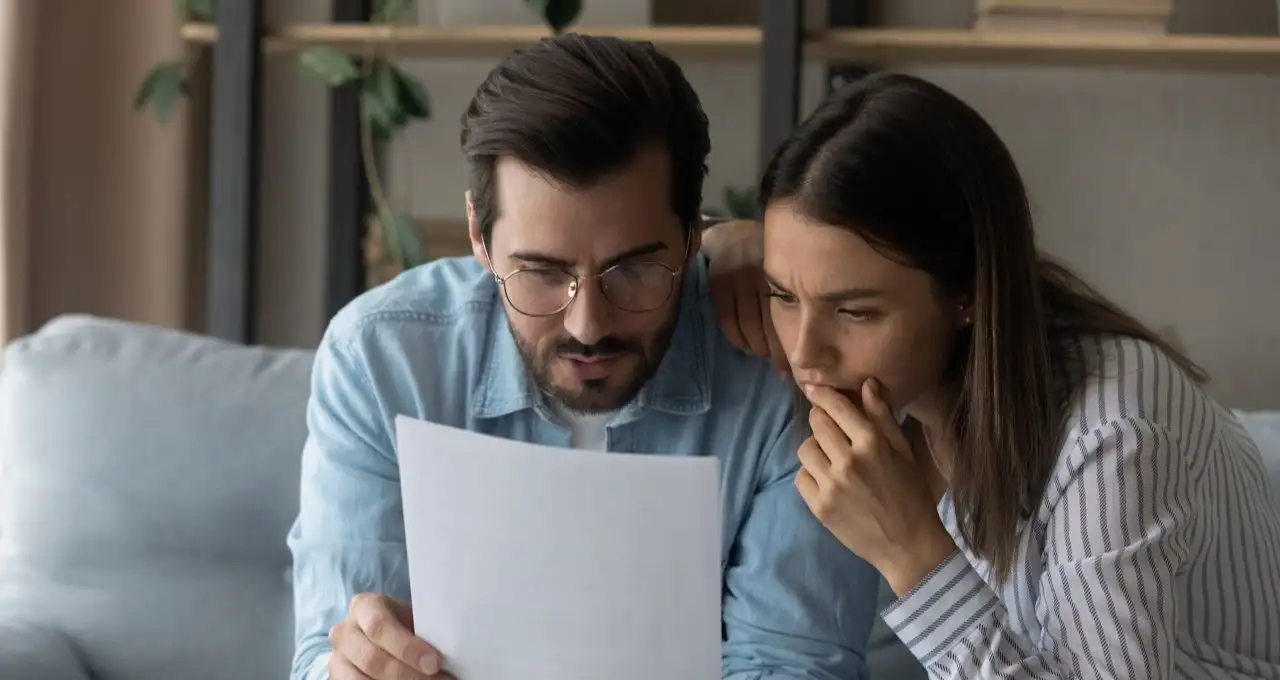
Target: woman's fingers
828	435
814	459
881	414
857	427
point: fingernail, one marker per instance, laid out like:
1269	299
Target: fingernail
430	664
808	388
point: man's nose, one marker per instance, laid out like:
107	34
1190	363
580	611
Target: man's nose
587	318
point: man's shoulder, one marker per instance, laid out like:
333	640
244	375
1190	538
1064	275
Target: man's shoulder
746	390
415	344
446	295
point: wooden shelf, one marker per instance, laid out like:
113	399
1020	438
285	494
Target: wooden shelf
421	40
1168	52
915	46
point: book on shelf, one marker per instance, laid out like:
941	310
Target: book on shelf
1143	17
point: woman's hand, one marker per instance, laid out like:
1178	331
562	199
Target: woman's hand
862	480
736	251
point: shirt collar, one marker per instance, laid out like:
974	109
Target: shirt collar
681	385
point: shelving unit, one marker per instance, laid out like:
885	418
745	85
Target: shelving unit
1180	52
779	43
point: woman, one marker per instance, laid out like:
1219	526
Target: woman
1038	476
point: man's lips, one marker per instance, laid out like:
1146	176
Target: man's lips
591	359
592	367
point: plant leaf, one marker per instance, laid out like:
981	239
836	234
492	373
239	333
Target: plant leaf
380	101
374	110
399	235
387	88
196	10
407	236
742	204
558	14
412	96
386	236
332	67
390	11
163	87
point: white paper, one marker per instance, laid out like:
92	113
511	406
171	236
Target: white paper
529	562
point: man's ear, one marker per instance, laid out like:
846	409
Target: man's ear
695	237
473	232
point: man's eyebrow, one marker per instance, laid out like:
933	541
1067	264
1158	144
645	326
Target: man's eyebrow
638	251
834	296
534	257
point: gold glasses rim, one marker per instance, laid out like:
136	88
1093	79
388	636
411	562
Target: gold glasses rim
578	280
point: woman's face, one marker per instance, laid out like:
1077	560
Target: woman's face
845	313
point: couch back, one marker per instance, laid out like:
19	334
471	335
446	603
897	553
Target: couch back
150	477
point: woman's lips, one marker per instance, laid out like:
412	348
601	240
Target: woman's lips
853	394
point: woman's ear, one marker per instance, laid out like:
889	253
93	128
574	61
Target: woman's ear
964	313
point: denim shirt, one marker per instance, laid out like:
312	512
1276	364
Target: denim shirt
434	344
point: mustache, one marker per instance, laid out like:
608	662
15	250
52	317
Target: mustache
606	347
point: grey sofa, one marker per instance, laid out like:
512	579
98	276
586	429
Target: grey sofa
149	478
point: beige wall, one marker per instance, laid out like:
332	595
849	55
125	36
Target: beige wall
1161	188
92	245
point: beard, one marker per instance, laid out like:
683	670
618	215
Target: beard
638	359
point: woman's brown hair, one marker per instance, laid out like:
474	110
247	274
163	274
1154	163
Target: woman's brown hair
923	178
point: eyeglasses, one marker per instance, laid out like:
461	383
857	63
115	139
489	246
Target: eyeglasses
546	291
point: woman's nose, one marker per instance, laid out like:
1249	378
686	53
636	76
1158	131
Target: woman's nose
811	351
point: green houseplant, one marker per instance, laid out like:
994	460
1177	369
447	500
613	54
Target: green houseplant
742	203
390	99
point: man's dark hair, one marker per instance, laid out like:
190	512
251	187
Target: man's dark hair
579	107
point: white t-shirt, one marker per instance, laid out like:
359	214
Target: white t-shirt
589	429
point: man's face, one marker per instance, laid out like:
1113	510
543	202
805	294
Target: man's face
596	353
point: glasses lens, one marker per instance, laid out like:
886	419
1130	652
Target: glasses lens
640	287
539	292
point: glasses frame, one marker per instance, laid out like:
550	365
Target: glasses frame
579	280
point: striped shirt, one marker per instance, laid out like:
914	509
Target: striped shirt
1155	552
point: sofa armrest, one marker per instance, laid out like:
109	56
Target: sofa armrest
38	653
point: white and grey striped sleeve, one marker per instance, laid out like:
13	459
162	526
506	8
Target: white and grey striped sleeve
1119	516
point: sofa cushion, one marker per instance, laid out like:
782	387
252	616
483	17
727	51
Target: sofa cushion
150	477
1264	427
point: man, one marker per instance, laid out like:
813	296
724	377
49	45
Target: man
583	320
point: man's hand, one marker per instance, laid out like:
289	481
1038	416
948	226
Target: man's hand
736	251
376	642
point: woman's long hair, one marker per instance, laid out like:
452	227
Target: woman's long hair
924	179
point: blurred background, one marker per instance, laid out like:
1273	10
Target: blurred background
1155	173
210	180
